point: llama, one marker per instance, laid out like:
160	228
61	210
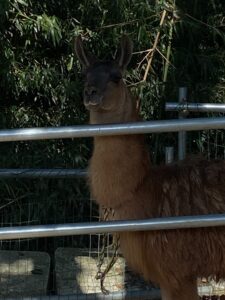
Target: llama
121	177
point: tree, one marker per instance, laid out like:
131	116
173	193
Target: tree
41	85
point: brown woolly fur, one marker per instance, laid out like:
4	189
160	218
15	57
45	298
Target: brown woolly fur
122	178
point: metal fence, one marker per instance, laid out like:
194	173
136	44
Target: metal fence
181	126
72	229
30	134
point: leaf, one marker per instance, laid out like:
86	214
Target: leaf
22	2
70	63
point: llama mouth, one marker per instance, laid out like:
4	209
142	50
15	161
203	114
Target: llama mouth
92	107
93	104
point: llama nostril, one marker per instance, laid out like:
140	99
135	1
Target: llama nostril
90	91
93	92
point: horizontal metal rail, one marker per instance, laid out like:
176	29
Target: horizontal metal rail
111	226
10	135
153	294
195	107
46	173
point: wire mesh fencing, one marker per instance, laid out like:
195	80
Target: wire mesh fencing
210	145
62	266
65	266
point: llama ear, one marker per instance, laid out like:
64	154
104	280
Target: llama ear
85	58
125	52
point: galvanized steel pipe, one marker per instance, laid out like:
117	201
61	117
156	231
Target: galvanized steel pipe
150	294
169	155
18	232
46	173
182	135
196	107
10	135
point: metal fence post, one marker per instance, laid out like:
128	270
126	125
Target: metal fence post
169	155
182	134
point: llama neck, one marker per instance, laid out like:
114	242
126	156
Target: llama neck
118	168
119	164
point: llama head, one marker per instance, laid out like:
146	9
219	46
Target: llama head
104	90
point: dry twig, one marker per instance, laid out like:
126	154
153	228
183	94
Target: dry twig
152	51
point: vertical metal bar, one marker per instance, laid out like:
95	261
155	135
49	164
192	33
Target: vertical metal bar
169	155
182	134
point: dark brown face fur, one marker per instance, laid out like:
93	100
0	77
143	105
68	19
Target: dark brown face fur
102	81
105	93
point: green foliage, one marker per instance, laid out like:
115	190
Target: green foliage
40	81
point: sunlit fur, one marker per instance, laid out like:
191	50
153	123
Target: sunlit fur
122	177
